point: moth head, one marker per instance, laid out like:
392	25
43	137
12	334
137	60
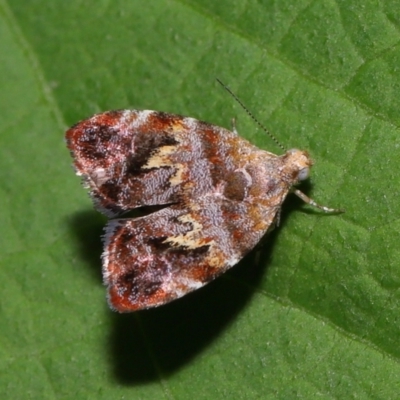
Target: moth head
297	164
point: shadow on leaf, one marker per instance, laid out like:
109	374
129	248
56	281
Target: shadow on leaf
88	227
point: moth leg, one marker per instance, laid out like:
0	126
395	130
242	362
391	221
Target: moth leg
277	220
311	202
233	122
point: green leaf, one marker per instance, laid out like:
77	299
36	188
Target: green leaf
315	313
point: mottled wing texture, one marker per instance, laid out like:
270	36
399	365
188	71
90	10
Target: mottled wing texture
155	259
134	158
221	194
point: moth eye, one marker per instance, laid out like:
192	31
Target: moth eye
303	174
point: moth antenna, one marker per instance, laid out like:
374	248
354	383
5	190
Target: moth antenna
251	115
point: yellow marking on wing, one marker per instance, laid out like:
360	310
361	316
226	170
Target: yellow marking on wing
177	178
191	239
161	157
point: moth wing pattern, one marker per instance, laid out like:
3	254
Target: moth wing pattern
160	257
133	158
220	195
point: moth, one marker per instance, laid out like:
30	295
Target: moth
217	195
